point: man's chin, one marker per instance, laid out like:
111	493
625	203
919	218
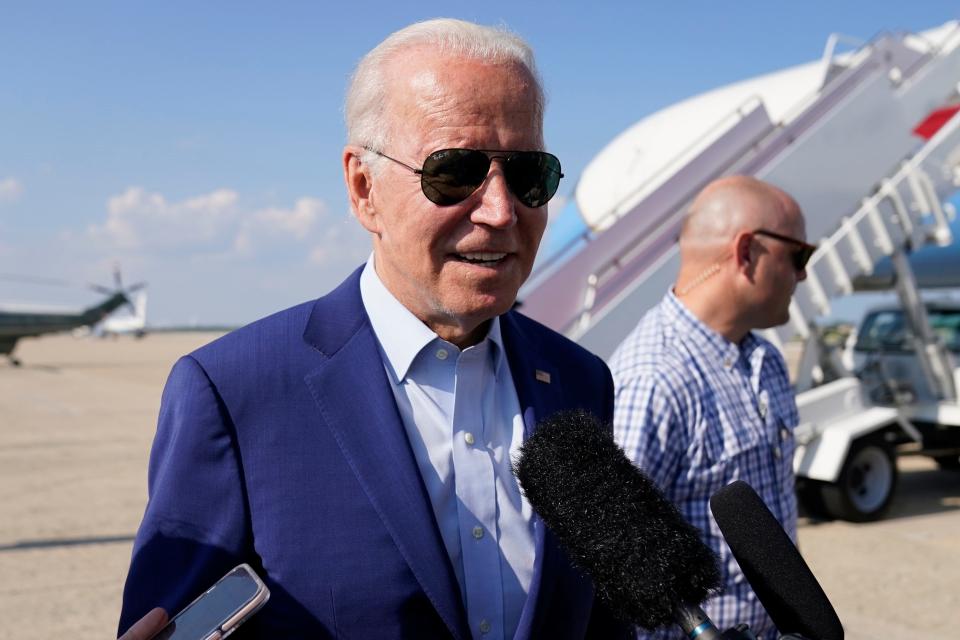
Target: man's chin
773	323
482	307
784	319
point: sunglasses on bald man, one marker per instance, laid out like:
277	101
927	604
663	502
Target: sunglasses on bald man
449	176
800	255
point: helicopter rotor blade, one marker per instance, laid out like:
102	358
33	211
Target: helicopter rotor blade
101	289
14	277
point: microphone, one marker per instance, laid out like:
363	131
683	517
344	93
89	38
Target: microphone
777	572
647	563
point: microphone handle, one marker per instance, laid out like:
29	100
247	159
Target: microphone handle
695	623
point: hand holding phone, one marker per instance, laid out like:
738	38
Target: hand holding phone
147	626
218	611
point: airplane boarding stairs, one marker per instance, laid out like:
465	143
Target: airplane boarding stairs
869	186
831	154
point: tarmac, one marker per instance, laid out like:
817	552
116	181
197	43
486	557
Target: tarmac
77	419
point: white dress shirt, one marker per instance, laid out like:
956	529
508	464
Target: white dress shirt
463	420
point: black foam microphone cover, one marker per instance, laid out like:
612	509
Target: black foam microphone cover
777	572
644	559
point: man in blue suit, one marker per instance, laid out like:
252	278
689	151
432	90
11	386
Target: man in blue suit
356	450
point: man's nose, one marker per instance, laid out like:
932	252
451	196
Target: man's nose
497	203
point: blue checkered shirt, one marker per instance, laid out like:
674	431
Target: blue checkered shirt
696	412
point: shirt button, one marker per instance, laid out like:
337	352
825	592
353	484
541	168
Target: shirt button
442	354
484	626
478	532
468	437
784	434
728	362
776	453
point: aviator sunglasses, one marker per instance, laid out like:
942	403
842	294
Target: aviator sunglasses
449	176
802	253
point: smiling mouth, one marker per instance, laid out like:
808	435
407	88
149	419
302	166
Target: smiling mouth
481	257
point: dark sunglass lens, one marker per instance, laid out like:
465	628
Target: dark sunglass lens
802	256
533	176
451	175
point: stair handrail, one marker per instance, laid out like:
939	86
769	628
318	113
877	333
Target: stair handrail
870	207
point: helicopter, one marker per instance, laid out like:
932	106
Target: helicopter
23	323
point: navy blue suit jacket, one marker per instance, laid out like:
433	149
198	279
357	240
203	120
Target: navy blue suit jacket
280	445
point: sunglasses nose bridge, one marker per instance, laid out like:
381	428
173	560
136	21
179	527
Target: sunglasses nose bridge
497	207
490	170
497	169
481	170
495	164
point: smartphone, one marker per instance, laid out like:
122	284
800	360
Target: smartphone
218	611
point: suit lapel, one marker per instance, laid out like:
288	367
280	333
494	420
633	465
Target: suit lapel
352	391
535	376
537	380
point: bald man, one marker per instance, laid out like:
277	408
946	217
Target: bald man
702	401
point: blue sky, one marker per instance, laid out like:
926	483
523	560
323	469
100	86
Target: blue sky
198	144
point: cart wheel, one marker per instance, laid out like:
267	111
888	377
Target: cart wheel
866	484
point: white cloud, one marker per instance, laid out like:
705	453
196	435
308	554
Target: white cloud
216	226
137	219
208	255
268	226
10	189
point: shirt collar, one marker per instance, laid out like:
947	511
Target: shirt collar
401	334
704	339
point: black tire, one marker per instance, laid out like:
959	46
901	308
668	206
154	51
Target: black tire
948	463
810	497
866	485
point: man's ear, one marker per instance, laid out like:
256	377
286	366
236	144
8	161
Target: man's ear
743	251
744	256
359	178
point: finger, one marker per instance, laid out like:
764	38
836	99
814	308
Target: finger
147	626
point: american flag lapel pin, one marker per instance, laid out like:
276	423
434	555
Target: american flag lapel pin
543	376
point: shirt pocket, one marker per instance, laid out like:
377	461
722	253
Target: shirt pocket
728	450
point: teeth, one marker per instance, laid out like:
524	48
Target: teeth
482	256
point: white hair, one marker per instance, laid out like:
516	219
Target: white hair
364	107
